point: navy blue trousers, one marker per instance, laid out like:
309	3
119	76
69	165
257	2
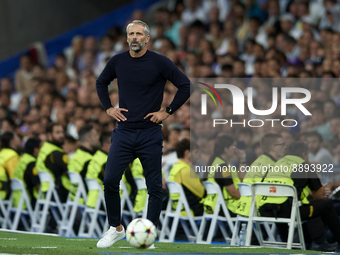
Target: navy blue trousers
126	145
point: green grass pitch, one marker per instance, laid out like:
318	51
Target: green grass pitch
20	243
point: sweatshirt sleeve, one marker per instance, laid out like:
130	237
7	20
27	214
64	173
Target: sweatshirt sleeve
181	81
103	81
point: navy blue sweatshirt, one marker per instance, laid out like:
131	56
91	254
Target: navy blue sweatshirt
141	84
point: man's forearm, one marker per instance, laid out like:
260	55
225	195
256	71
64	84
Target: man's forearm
103	94
182	95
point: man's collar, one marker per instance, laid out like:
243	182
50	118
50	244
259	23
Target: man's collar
56	144
270	156
86	150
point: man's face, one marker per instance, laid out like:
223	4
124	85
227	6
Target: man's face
173	137
94	138
230	151
317	118
194	155
58	135
273	8
36	150
69	147
16	143
279	148
305	156
25	63
314	144
287	138
328	110
5	85
136	37
334	127
246	138
184	134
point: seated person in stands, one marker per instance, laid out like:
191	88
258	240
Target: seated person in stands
273	149
318	154
223	175
183	173
304	182
96	167
9	159
27	172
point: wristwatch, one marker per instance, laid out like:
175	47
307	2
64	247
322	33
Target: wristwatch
169	110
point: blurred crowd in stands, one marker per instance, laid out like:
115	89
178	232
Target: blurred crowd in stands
205	39
291	43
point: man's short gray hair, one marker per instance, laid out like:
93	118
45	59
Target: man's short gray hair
139	22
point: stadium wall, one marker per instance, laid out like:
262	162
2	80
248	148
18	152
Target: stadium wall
97	28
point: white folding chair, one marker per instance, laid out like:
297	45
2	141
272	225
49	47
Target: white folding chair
276	190
213	188
3	210
46	200
140	183
73	205
245	191
160	226
128	213
94	220
175	188
26	215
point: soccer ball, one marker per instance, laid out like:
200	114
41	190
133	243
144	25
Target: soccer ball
141	233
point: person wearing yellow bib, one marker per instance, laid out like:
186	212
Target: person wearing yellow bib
273	149
89	143
183	173
53	159
27	172
224	174
9	158
286	170
96	167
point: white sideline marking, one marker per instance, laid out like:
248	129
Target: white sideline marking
238	247
44	247
13	254
132	247
82	239
25	232
8	239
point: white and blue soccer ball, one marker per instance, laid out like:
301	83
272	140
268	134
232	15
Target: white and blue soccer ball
141	233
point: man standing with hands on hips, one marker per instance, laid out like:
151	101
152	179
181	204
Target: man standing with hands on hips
141	75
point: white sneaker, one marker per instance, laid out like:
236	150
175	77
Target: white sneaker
110	237
152	246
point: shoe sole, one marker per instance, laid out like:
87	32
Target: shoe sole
120	237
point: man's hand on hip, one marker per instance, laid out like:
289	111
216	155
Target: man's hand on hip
117	113
157	117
